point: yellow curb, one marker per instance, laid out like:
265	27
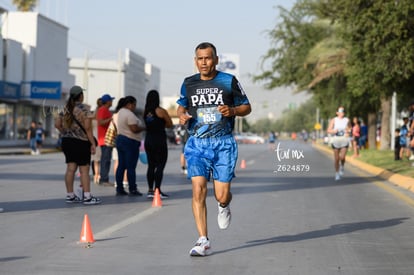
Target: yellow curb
397	179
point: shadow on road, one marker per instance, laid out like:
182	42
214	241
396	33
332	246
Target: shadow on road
333	230
9	259
247	184
242	185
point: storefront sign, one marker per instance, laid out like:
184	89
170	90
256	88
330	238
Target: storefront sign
45	90
9	90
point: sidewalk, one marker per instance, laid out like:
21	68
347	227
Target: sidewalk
24	150
399	180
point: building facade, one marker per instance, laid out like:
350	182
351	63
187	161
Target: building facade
129	75
34	74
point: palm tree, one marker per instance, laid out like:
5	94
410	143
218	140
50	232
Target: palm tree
25	5
328	57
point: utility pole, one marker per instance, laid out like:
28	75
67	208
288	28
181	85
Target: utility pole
120	67
85	72
393	118
317	124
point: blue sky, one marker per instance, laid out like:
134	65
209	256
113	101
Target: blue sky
166	32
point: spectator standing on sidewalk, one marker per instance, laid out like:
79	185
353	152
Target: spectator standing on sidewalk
156	120
364	135
31	137
397	145
103	118
96	158
356	134
340	127
411	131
40	137
404	139
209	102
78	143
128	142
121	104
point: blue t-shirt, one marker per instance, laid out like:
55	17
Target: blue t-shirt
39	134
202	97
403	135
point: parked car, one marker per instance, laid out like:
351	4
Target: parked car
249	138
223	66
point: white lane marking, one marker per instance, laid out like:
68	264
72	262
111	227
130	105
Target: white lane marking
134	219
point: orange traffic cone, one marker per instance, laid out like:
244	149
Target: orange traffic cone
86	235
243	164
157	202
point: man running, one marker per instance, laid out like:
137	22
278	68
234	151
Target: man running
209	102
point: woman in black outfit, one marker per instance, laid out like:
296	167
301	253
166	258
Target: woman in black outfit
156	120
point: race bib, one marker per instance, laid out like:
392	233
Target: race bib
208	115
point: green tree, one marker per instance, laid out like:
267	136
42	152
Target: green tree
381	57
291	40
262	126
357	60
308	53
296	120
25	5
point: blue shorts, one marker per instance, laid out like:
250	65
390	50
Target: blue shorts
211	155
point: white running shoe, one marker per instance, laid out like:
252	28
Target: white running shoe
224	216
91	200
411	157
341	170
337	176
201	248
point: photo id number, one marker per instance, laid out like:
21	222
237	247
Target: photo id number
286	168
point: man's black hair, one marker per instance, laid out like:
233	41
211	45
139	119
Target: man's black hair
206	45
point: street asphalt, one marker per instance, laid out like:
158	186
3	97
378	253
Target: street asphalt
289	216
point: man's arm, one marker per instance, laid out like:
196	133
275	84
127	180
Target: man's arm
182	114
103	118
241	110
